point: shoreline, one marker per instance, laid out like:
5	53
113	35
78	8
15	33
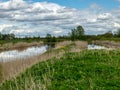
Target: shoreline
19	45
13	68
108	44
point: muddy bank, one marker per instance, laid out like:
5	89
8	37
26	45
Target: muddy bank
108	44
19	46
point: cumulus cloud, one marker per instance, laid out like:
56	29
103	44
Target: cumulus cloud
38	18
3	26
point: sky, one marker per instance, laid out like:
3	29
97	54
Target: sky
58	17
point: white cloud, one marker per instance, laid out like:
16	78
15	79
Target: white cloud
4	26
58	31
39	18
104	16
13	4
117	25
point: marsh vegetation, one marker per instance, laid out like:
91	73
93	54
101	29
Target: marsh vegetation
89	69
66	65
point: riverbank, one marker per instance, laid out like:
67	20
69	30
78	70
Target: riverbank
19	45
13	68
86	70
108	44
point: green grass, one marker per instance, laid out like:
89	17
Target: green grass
87	70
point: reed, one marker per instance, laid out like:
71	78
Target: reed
86	70
1	76
13	68
19	45
109	44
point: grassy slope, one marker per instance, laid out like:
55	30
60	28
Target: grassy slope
74	71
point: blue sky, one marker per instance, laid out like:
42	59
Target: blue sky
80	4
58	17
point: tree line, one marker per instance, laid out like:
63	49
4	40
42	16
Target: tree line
77	33
7	36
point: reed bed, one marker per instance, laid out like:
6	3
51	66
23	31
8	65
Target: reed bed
85	70
13	68
109	44
19	45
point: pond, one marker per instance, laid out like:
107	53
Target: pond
93	46
20	54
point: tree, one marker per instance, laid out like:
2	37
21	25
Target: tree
72	34
80	31
11	36
77	33
50	40
1	36
118	33
7	36
108	34
53	41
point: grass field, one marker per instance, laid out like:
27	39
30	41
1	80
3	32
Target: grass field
85	70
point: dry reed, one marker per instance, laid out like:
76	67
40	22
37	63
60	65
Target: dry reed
12	68
9	46
109	44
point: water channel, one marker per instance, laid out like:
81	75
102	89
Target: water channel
32	51
20	54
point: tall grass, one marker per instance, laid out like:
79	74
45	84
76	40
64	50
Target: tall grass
12	68
1	76
19	45
109	44
86	70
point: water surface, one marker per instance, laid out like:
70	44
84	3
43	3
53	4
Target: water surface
19	54
93	46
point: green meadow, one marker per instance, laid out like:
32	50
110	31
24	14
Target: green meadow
85	70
